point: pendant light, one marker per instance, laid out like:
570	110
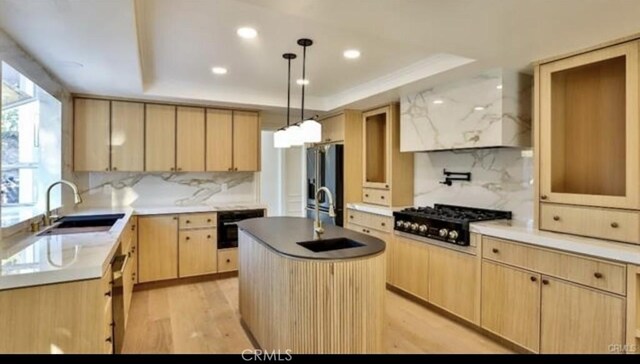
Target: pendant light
310	131
282	137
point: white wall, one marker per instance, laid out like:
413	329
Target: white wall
271	175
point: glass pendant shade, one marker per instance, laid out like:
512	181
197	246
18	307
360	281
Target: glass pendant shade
295	136
311	131
280	139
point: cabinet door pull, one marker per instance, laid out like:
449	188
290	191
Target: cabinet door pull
208	236
179	169
351	216
106	169
543	197
175	218
187	238
386	186
228	260
533	279
107	294
614	225
172	169
115	168
383	224
382	197
545	282
108	339
208	220
556	218
598	275
495	250
366	195
133	227
188	221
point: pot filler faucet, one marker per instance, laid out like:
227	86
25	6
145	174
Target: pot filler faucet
76	198
318	229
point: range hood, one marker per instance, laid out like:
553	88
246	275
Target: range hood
492	109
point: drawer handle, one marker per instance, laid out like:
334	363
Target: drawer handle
382	197
106	169
179	168
543	197
614	225
386	186
115	168
208	220
351	216
187	238
545	282
172	169
598	275
175	218
208	236
366	195
533	279
107	294
108	339
556	218
228	260
383	224
188	222
495	250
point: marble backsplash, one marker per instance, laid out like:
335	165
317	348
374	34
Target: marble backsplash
116	189
501	178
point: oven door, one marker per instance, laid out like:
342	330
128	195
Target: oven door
227	234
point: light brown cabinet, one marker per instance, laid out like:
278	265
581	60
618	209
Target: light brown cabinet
227	260
387	173
580	320
453	282
412	269
157	247
190	139
91	132
333	128
233	140
197	252
588	137
127	136
511	304
160	138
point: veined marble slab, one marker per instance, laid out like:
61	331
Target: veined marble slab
489	110
374	209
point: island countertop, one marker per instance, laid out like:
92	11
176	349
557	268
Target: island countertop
283	233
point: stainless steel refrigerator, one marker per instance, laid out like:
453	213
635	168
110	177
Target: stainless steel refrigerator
325	169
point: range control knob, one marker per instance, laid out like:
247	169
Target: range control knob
453	235
399	223
414	226
422	228
443	233
406	224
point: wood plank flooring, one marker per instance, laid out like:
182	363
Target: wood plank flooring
203	317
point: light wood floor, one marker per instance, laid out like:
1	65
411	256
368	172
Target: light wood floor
203	318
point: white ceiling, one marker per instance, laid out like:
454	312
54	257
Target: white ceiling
165	48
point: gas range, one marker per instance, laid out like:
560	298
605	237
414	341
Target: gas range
446	223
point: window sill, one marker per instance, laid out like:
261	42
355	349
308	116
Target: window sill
13	216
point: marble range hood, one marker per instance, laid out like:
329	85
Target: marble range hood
490	110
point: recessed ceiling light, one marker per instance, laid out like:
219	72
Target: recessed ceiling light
499	87
301	82
247	33
351	54
438	102
219	70
478	108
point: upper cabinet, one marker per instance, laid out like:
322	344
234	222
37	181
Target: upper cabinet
587	143
387	173
91	135
190	131
333	128
115	135
160	138
127	136
589	128
491	109
233	140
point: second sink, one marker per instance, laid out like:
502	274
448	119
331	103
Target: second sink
324	245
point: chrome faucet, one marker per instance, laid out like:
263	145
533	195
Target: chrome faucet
76	198
318	229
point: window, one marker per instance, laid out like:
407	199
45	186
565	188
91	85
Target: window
31	146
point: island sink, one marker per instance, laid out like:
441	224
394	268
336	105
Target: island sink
325	245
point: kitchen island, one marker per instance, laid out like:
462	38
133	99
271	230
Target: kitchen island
322	296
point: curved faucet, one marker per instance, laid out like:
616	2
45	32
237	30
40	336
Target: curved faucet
318	229
76	198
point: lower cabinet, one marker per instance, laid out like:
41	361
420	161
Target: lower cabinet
510	304
453	282
227	260
158	248
412	269
578	319
197	252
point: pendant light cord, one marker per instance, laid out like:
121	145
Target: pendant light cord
304	79
288	91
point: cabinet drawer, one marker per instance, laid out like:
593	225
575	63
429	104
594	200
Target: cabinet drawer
197	221
596	273
373	221
227	260
365	230
595	222
375	196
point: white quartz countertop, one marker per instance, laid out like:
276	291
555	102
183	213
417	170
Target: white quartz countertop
30	260
525	233
374	209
